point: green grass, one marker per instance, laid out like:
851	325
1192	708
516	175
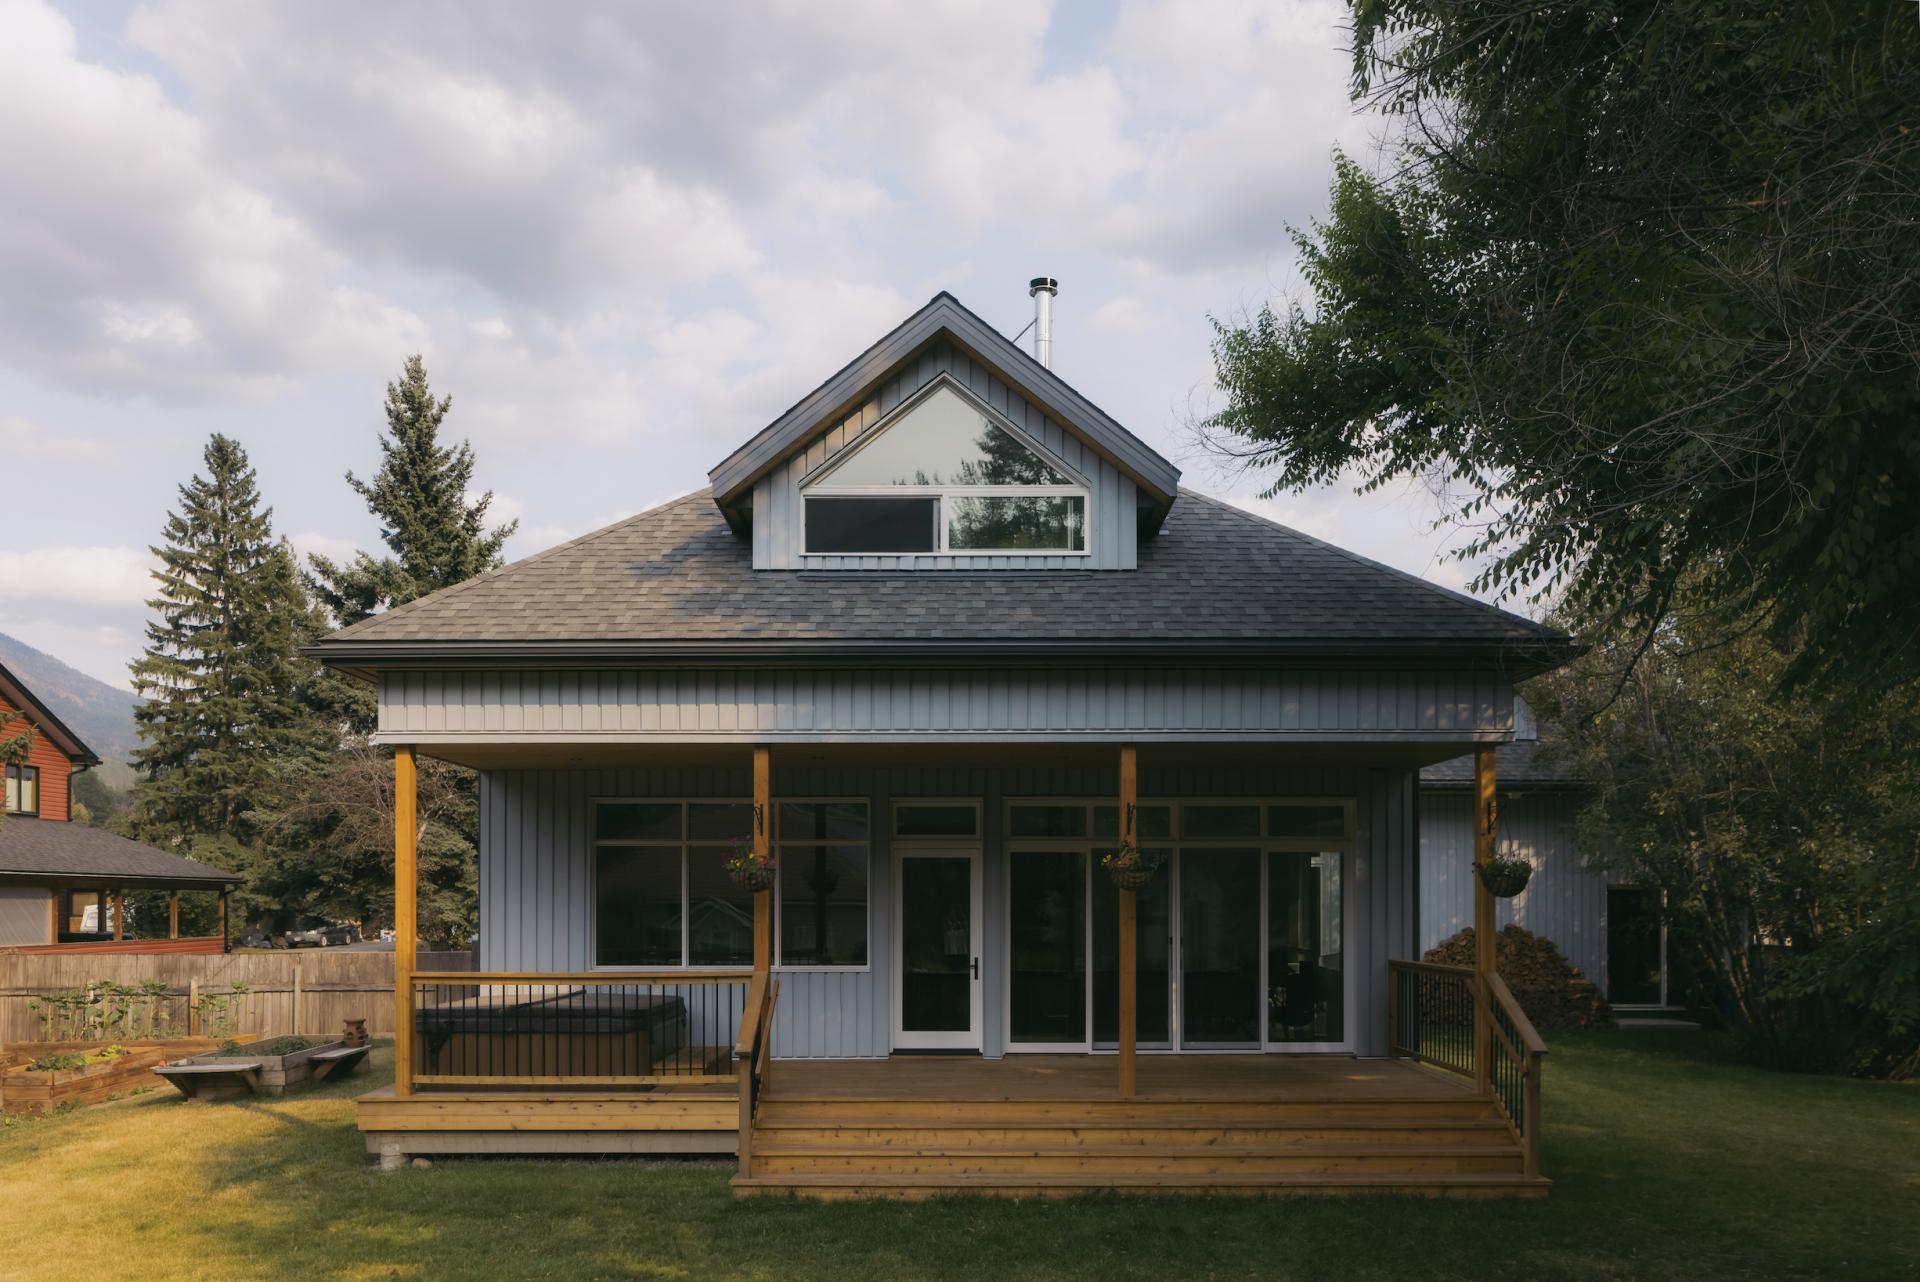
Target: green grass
1669	1162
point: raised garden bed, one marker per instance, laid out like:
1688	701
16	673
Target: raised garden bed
263	1067
25	1089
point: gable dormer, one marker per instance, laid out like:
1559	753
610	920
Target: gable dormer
945	447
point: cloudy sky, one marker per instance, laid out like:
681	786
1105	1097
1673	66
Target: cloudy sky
623	239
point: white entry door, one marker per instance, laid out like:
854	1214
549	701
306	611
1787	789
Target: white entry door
936	971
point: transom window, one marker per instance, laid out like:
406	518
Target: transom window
944	476
662	896
23	790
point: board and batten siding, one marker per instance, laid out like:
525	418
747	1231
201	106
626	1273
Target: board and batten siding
904	704
779	537
1564	900
536	906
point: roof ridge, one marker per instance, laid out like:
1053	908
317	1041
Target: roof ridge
455	589
1369	562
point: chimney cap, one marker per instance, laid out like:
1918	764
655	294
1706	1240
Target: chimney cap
1039	283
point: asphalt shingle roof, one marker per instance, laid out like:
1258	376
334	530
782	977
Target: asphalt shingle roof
63	849
1214	572
1513	764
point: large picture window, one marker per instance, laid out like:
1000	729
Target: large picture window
661	892
662	897
944	476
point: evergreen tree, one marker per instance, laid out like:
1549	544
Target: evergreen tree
222	679
14	744
435	535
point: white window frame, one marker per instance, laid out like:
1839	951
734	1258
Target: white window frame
819	483
1348	847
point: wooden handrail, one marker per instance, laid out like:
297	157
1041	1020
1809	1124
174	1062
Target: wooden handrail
752	1055
581	977
1434	968
1510	1038
1524	1026
750	1017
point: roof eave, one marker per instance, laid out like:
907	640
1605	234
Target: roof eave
1518	658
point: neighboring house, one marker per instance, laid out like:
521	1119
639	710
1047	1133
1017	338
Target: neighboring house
1608	929
63	885
937	638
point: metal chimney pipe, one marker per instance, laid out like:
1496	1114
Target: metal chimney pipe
1042	290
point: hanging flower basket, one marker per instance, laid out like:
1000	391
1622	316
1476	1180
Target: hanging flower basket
1133	868
747	870
1504	877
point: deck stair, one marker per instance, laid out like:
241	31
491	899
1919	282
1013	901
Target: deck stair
913	1146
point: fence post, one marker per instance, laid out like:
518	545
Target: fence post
193	1008
295	1030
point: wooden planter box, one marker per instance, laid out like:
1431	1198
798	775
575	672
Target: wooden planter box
25	1091
278	1073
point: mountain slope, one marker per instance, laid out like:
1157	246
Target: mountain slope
101	715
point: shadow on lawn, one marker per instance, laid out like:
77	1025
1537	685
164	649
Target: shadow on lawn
1668	1166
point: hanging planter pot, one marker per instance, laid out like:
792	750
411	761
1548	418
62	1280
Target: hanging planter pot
749	871
1132	868
1505	877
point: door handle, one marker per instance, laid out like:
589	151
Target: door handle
975	966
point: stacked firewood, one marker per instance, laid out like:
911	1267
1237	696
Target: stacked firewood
1550	989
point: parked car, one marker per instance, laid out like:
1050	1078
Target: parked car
327	936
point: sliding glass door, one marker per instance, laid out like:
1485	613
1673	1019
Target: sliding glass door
1242	938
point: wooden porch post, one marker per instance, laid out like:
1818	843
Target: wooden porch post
405	922
173	914
1129	927
763	847
1485	823
225	945
119	914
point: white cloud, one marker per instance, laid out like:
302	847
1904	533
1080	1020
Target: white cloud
311	542
22	439
93	576
132	257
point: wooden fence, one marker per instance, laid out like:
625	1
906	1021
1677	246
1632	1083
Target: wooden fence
328	987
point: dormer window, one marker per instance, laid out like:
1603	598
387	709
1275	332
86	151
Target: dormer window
944	475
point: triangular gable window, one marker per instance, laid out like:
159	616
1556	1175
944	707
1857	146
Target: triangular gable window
945	440
944	478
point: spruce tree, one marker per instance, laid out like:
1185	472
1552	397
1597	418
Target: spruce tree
435	535
222	679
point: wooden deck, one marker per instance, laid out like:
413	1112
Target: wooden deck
1028	1126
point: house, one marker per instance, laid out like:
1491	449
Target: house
937	640
63	885
1609	929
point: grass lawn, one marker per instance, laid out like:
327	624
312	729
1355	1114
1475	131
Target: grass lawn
1670	1163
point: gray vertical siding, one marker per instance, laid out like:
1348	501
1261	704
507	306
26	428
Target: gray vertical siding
535	858
778	537
768	705
1566	901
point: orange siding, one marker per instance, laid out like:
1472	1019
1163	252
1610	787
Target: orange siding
54	768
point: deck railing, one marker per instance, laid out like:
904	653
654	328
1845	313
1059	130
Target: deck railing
753	1058
590	1029
1432	1015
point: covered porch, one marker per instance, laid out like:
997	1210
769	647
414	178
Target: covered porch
695	1059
